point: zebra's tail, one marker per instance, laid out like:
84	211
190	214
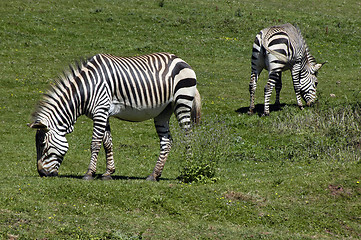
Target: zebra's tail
278	55
265	43
196	108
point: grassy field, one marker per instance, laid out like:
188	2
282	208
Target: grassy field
293	175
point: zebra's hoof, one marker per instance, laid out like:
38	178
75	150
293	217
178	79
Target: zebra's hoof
265	114
152	178
106	177
88	177
250	112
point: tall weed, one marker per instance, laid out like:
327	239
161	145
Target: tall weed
206	146
341	123
322	132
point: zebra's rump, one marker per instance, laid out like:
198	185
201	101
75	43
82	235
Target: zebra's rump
125	112
283	42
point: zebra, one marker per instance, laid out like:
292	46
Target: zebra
281	48
128	88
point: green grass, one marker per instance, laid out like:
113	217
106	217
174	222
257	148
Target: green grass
293	175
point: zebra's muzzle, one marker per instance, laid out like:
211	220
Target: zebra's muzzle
310	103
44	173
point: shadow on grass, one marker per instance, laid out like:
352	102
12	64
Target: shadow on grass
259	108
115	177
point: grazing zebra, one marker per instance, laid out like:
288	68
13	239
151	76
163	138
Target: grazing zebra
278	49
128	88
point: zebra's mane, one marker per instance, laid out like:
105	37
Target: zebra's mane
57	85
310	58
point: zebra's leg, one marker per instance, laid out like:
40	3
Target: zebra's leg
108	147
272	80
162	126
278	90
298	96
296	84
95	148
99	124
252	90
257	65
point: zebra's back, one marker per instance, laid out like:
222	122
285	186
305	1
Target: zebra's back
142	87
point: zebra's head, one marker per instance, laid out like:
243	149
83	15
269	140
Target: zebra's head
51	148
309	82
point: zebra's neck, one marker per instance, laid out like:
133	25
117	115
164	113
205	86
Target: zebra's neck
310	59
64	102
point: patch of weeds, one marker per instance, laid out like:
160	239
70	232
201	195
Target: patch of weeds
194	171
339	126
207	145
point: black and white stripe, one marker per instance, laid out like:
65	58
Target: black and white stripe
128	88
281	48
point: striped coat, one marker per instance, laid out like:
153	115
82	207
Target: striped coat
128	88
281	48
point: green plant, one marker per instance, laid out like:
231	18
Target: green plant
206	146
198	172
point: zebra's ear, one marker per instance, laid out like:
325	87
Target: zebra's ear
38	125
317	66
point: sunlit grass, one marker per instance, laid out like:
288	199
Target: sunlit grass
292	175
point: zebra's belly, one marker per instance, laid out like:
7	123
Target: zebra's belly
124	112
